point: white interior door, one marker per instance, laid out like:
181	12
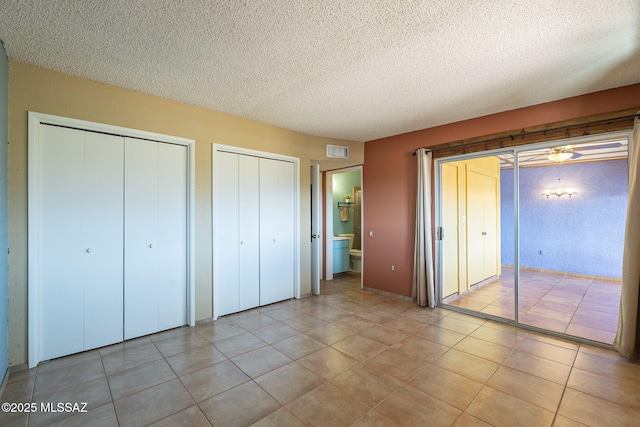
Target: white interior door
226	285
277	230
249	232
172	238
141	295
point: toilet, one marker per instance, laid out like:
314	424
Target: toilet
355	255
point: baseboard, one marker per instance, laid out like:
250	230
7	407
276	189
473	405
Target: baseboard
565	273
5	380
388	294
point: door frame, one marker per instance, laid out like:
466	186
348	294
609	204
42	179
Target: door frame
35	120
296	239
316	227
328	256
513	151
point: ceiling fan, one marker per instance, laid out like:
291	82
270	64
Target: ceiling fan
568	152
561	153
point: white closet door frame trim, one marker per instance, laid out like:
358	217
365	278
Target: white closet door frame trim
35	120
267	155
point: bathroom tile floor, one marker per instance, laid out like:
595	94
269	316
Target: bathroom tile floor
577	306
348	357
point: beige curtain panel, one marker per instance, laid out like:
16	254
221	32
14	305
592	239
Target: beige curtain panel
627	340
423	283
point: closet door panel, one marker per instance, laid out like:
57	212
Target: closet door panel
61	304
249	232
103	239
226	295
172	239
491	222
276	230
482	231
141	292
476	193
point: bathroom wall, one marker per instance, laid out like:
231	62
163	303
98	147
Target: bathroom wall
343	183
583	234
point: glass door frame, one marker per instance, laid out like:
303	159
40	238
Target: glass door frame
514	151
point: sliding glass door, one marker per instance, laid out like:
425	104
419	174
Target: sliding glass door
534	235
572	205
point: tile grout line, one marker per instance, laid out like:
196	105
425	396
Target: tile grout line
564	388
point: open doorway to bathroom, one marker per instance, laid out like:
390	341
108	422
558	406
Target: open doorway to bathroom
534	235
343	223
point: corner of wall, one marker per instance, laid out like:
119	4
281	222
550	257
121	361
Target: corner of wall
4	284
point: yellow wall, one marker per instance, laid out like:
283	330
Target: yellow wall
44	91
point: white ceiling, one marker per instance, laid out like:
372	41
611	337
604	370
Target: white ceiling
358	69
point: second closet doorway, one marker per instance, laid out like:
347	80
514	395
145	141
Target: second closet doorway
255	223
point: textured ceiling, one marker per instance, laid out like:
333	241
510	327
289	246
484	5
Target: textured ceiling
358	69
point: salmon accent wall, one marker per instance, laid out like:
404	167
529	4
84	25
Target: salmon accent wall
390	173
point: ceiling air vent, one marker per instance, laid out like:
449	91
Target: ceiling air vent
337	152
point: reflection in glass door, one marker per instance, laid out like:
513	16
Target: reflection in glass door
473	277
572	204
566	204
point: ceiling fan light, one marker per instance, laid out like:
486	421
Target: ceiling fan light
559	156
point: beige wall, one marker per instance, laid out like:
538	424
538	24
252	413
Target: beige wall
44	91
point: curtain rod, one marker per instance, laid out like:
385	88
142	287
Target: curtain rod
523	133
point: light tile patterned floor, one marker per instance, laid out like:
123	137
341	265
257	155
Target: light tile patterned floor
577	306
347	357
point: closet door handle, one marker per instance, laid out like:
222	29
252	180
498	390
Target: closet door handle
150	245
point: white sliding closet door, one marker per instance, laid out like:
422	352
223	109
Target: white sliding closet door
141	295
155	237
80	240
226	298
277	233
172	237
249	232
110	254
103	225
236	233
254	224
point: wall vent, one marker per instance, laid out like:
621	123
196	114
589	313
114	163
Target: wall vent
337	152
